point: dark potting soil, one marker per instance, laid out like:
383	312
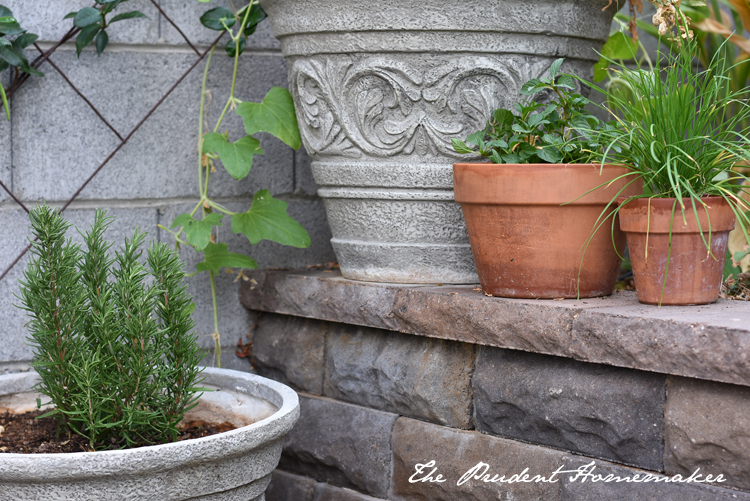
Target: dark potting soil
23	433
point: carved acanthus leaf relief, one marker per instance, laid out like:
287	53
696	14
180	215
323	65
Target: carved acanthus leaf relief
383	107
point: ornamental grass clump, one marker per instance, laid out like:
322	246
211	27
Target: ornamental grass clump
682	130
113	337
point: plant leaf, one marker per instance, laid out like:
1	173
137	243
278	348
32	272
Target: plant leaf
619	46
198	231
237	157
217	256
460	146
4	42
102	39
127	15
231	47
70	15
85	37
267	220
256	15
567	82
212	19
555	68
9	25
25	40
13	58
86	17
274	115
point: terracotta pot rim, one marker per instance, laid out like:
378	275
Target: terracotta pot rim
634	219
665	200
539	166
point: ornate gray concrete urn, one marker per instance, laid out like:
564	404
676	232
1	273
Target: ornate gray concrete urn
380	90
230	466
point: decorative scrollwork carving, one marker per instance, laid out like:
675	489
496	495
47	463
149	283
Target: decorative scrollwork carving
383	107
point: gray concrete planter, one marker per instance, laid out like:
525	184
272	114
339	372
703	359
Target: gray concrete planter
230	466
382	87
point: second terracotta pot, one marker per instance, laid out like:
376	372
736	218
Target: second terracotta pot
694	276
525	243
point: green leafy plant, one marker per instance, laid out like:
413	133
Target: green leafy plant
112	338
558	132
13	40
267	217
93	23
683	131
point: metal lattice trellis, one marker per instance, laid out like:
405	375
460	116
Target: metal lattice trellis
45	57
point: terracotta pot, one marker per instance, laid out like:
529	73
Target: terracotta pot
694	276
525	244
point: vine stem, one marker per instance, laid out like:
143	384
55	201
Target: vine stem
216	335
203	187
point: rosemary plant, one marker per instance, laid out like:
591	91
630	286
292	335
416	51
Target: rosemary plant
112	338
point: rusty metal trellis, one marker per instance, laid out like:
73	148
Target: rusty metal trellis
45	57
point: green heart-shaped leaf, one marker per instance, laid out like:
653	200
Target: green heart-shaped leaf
237	157
267	220
198	231
217	256
274	115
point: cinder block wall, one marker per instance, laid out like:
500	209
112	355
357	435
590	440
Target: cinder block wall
54	141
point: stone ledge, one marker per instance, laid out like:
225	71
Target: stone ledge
708	342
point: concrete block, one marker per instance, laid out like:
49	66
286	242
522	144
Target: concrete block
48	23
288	487
341	444
304	183
187	16
457	452
6	146
160	160
707	426
414	376
592	409
53	153
584	488
290	350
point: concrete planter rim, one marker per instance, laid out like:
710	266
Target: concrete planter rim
18	467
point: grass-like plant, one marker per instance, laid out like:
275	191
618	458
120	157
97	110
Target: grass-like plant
682	130
112	338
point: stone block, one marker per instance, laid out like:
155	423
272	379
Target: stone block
323	295
48	22
290	350
160	160
341	444
325	492
414	376
707	426
457	452
584	489
592	409
288	487
187	15
708	342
